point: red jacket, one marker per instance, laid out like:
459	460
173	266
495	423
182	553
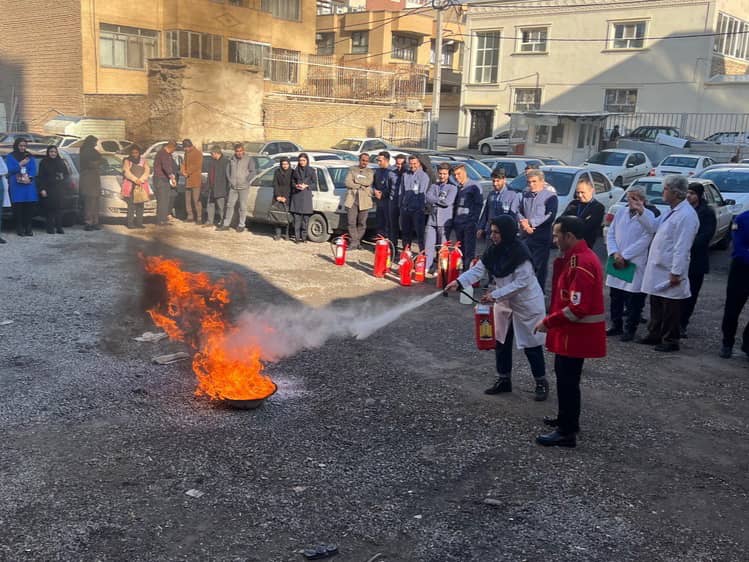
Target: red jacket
576	321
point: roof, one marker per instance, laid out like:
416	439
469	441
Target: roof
567	114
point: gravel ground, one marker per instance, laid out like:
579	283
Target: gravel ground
386	446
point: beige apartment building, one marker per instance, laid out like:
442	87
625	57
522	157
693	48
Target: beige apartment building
595	57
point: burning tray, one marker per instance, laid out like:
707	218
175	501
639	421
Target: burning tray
248	404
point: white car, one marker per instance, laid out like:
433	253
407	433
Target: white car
105	145
314	156
370	145
733	182
729	137
682	164
513	166
501	142
621	166
653	187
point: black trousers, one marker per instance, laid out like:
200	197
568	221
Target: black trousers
300	226
394	223
215	206
382	215
413	222
695	284
568	371
626	309
163	200
134	212
53	214
664	319
540	250
737	293
503	357
23	214
465	233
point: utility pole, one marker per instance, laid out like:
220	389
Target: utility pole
437	81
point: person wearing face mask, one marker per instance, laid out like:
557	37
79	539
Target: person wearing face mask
53	178
587	208
22	173
518	304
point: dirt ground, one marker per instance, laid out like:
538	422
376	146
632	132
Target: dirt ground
386	446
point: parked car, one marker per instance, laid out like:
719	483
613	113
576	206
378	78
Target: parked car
653	187
370	145
473	174
314	156
64	141
548	161
71	202
478	166
733	182
106	145
650	132
259	147
683	164
729	137
564	179
327	201
513	166
501	142
621	166
158	145
9	137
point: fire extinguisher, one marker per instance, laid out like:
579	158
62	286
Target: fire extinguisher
420	267
443	261
340	246
474	261
405	266
483	318
455	263
382	256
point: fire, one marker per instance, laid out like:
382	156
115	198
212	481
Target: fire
195	312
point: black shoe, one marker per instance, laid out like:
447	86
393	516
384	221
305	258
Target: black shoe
649	341
628	336
88	228
95	227
667	347
3	240
60	231
556	439
240	229
50	231
542	391
614	331
726	352
29	232
683	332
139	226
501	386
129	226
276	237
551	422
222	228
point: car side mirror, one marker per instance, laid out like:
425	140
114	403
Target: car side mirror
630	164
729	201
497	136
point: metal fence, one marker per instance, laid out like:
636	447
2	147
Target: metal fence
412	133
318	77
696	125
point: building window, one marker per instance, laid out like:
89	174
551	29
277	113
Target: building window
448	53
325	43
126	47
248	52
628	35
282	9
283	66
487	57
620	101
732	39
194	45
405	47
359	42
527	99
533	40
546	134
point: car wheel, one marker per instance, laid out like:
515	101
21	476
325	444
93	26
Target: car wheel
317	229
724	242
618	182
486	149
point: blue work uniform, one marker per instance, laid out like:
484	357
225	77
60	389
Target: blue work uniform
468	203
412	204
382	181
440	200
396	188
504	202
539	209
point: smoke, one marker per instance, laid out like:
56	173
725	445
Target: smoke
283	331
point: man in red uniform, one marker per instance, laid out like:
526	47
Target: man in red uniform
575	324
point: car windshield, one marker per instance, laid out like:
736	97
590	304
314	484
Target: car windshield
653	191
347	144
560	181
608	158
338	175
483	170
680	161
252	146
111	165
729	181
262	162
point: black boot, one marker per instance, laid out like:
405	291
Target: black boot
502	385
542	390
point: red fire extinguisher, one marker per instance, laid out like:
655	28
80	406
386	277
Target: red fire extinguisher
383	256
443	261
474	261
420	267
483	318
455	263
405	266
340	246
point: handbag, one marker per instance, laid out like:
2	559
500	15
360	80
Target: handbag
278	213
140	195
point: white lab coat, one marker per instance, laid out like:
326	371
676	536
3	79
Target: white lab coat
630	236
670	250
520	301
4	196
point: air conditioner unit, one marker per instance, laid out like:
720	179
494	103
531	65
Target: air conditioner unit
414	105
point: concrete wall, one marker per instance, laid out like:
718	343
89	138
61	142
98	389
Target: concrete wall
40	58
134	109
321	125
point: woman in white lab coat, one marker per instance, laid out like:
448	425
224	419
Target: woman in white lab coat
627	242
518	303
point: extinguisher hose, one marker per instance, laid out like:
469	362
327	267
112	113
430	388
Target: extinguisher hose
444	294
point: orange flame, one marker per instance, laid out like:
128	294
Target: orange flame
195	312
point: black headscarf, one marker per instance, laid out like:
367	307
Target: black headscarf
504	258
54	164
284	175
302	155
134	160
699	189
17	154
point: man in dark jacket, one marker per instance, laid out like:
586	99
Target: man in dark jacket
412	203
699	261
165	179
90	182
381	189
396	189
737	289
538	207
587	208
468	203
217	186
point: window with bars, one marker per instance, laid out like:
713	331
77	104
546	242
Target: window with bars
732	39
194	45
628	35
126	47
620	101
533	40
325	43
248	52
448	53
283	66
486	63
282	9
527	99
549	134
359	42
405	47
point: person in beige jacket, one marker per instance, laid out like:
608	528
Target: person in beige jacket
358	199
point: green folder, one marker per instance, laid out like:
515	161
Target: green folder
626	273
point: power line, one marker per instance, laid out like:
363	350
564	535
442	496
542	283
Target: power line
609	39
